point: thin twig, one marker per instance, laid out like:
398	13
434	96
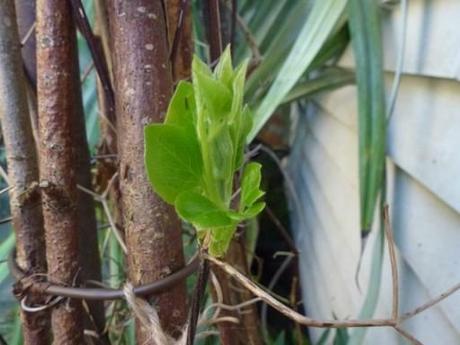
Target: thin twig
205	334
102	198
28	34
282	230
394	265
98	57
235	307
297	317
87	72
6	220
200	288
251	40
4	175
279	272
213	321
430	303
6	189
114	227
400	60
307	321
184	7
407	336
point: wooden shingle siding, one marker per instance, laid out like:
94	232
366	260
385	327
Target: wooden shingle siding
423	189
433	39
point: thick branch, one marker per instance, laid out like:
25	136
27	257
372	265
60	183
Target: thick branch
56	107
22	167
143	85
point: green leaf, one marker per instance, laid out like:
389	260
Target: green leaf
5	248
341	336
375	278
182	109
254	210
238	88
250	185
201	212
220	240
224	69
240	133
324	337
172	159
364	23
212	97
221	153
330	79
280	41
280	339
319	25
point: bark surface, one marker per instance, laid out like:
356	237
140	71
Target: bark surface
56	108
87	225
143	86
25	16
22	162
247	332
179	22
26	19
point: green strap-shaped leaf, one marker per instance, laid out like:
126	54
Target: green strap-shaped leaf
330	79
364	23
318	27
5	247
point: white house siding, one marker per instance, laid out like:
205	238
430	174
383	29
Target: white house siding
423	185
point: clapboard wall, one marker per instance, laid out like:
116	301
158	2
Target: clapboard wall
423	169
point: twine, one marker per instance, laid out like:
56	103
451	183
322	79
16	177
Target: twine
148	317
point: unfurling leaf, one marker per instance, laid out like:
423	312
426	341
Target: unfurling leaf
192	158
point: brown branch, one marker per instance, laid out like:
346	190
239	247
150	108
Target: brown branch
98	57
394	264
393	322
22	167
213	29
200	289
143	85
25	10
87	224
288	312
180	37
233	23
430	303
306	321
407	335
58	109
26	284
282	230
